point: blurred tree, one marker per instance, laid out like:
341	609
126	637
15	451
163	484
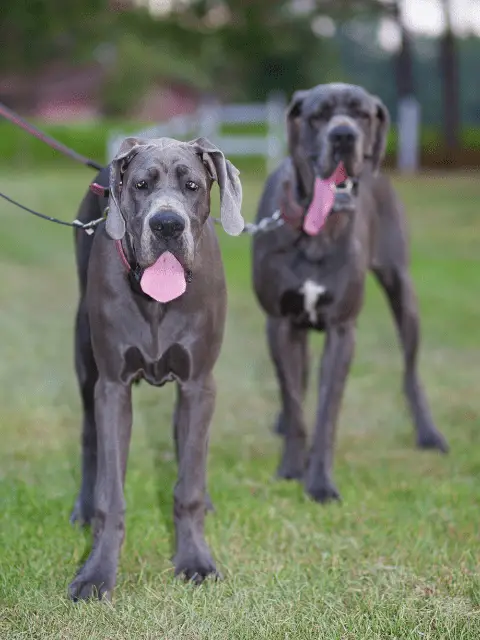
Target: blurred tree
35	31
404	59
372	10
449	73
240	49
248	46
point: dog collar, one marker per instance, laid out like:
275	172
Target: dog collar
293	213
344	193
134	274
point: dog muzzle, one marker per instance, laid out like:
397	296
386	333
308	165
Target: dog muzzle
333	194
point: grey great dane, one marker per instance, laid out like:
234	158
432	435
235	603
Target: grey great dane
152	306
342	218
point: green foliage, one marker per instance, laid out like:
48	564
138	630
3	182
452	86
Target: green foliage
140	65
238	50
17	148
38	31
259	46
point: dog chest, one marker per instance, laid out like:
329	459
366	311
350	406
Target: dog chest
173	364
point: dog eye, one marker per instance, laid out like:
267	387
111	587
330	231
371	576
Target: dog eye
320	116
141	185
192	186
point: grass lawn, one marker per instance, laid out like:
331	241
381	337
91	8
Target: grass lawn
399	558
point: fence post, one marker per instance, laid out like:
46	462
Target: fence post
276	105
209	120
180	127
408	127
114	140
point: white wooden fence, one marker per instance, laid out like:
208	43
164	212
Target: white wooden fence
408	126
209	120
212	117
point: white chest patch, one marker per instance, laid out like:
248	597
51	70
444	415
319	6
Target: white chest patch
311	292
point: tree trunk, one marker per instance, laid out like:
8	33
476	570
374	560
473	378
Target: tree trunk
404	58
448	60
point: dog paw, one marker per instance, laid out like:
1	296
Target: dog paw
432	439
322	492
288	471
82	513
292	465
196	567
279	425
91	583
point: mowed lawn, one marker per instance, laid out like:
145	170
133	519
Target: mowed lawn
398	558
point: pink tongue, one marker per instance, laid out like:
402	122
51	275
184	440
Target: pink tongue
322	201
164	280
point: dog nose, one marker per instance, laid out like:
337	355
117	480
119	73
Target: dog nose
342	138
167	225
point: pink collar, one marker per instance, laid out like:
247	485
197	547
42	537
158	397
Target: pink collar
121	253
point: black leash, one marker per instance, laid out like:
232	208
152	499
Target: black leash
17	120
87	226
14	118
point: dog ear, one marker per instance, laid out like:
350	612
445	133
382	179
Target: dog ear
226	174
115	224
380	134
301	162
294	113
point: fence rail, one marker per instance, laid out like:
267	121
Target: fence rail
210	119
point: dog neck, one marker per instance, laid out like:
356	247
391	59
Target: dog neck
133	269
293	205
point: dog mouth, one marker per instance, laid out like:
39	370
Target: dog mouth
165	279
332	194
343	183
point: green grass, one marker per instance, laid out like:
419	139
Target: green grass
399	558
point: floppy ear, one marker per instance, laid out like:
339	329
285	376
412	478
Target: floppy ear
226	174
381	131
294	113
115	224
301	163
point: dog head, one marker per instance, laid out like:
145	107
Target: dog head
160	196
335	123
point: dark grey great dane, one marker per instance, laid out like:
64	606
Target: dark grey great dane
152	306
310	273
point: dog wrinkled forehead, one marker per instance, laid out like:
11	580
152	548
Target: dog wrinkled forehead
338	95
170	151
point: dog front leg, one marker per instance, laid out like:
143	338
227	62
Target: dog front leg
208	502
336	359
196	402
113	417
289	352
